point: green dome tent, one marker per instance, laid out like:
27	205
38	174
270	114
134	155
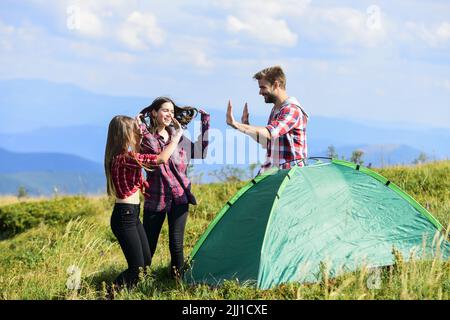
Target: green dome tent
282	225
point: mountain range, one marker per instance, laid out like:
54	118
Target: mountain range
42	138
49	173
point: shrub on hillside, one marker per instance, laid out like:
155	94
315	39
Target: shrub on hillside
19	217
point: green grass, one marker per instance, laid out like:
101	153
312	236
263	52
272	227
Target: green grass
35	259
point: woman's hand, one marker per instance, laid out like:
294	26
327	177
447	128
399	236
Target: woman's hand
139	123
139	118
177	127
164	156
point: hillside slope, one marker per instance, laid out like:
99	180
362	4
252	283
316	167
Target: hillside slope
38	258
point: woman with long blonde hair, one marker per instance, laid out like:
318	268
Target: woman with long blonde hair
123	170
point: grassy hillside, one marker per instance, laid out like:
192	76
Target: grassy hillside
75	232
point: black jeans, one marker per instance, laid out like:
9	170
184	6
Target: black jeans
177	217
128	229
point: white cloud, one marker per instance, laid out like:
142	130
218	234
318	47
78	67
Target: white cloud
443	31
436	35
5	28
283	23
344	70
235	25
195	42
140	30
193	51
445	84
267	8
6	31
124	21
265	22
86	22
347	26
266	30
87	51
26	38
120	57
199	58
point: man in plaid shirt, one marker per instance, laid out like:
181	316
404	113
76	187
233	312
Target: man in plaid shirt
284	137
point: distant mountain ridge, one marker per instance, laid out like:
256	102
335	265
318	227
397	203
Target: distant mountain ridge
85	141
49	173
74	146
340	132
89	141
13	162
380	155
52	183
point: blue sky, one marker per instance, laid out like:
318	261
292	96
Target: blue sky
386	61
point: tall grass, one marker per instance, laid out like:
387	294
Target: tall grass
34	264
429	184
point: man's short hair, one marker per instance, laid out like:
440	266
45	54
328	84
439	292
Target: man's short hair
271	75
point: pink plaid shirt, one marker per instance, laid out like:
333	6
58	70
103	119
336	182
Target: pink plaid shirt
169	182
287	127
126	172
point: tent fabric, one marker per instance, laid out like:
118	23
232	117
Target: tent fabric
283	225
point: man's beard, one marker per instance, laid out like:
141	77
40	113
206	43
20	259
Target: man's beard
269	98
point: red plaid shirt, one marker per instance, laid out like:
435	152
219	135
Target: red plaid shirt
126	172
287	127
169	182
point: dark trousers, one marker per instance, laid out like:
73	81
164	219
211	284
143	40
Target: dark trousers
177	217
128	229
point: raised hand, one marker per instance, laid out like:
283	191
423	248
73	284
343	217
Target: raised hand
177	127
138	118
245	114
230	117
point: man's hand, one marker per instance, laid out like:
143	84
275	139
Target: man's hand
230	118
259	134
245	114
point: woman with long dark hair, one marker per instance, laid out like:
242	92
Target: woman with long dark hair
169	192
